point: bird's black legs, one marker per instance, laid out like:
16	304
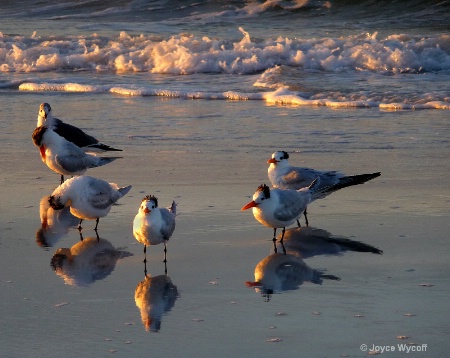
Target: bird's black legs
165	252
306	218
145	254
62	178
165	258
275	240
79	226
298	223
81	236
281	241
96	224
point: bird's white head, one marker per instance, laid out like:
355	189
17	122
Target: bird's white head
279	158
44	110
148	204
261	196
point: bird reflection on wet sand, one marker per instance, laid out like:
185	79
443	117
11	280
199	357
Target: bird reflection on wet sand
54	223
155	296
307	241
87	261
284	272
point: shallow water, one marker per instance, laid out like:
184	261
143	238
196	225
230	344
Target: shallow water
210	156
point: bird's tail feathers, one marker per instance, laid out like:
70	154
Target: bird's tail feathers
173	208
100	147
105	160
356	179
343	183
124	191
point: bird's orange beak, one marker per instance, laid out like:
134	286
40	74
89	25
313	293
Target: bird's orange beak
253	284
147	211
272	161
251	204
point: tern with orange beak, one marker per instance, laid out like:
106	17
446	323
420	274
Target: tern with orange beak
284	176
153	225
278	208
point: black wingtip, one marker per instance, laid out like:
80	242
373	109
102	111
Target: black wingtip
104	147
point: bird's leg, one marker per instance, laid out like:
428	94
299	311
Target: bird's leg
281	241
165	252
98	237
298	223
62	178
165	258
145	268
306	218
275	240
79	226
81	236
96	224
145	254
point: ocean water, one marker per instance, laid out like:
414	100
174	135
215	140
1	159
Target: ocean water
198	95
388	55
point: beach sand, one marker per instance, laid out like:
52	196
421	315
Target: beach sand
210	157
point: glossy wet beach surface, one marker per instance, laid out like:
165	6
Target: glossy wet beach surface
210	157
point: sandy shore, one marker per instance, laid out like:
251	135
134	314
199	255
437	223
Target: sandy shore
399	297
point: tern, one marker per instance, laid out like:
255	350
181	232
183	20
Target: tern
64	157
278	208
284	176
153	225
89	198
69	132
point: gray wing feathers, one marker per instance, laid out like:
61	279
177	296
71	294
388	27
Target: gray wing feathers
103	195
292	204
169	220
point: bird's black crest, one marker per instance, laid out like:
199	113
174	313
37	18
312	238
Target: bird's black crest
265	189
152	198
285	155
37	135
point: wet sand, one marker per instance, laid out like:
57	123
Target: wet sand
210	157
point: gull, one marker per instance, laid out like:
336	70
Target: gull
64	157
89	198
278	208
284	176
153	225
69	132
277	273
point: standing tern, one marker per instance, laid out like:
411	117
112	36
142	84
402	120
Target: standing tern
89	198
69	132
153	225
278	208
284	176
63	156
